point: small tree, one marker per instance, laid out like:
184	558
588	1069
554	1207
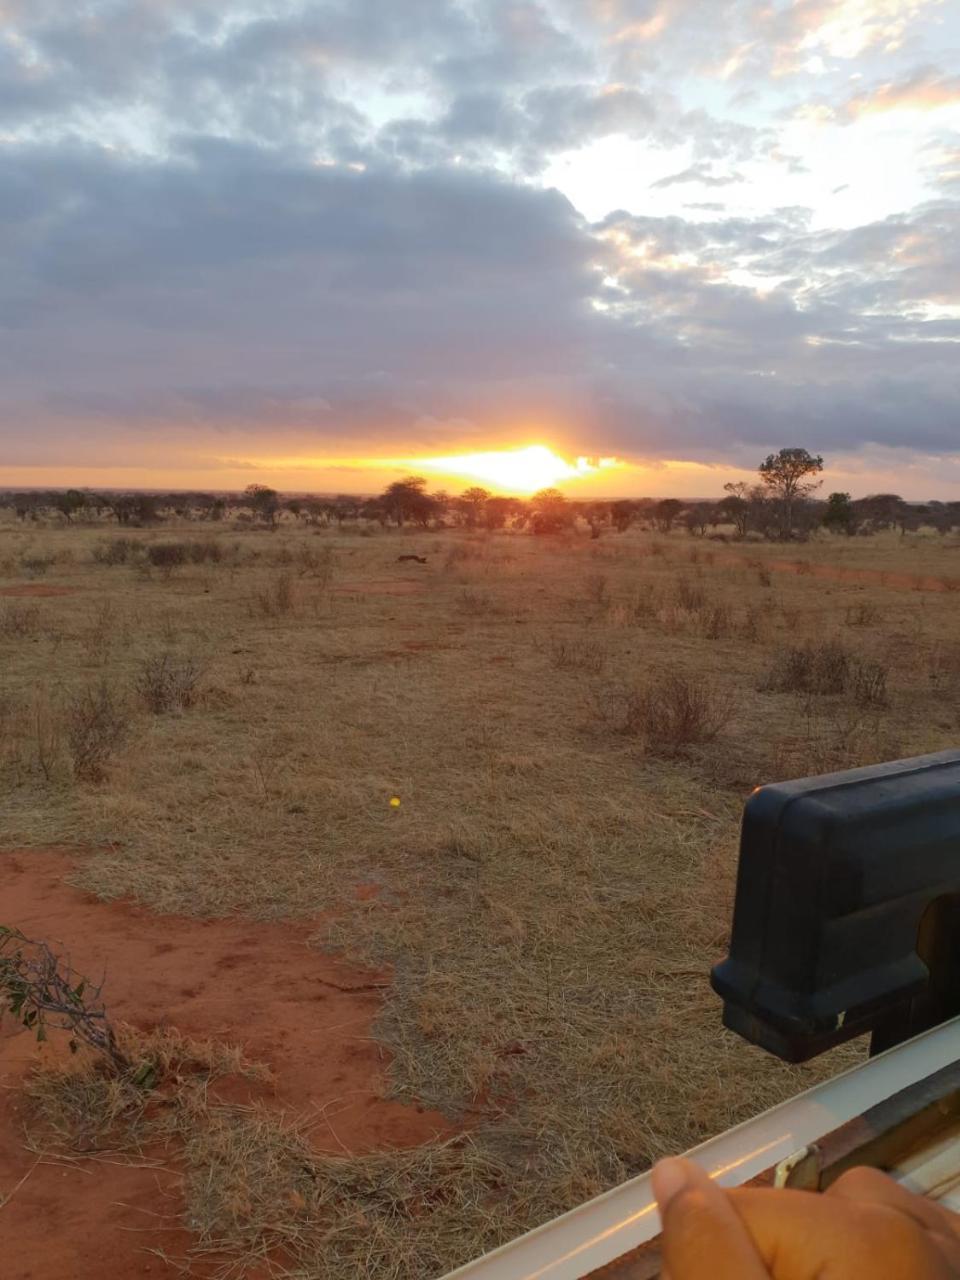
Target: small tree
666	512
70	503
736	506
784	475
840	516
263	501
622	514
549	512
407	499
472	503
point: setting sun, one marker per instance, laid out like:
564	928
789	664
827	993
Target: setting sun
519	470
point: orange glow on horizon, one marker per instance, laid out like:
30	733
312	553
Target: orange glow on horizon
516	470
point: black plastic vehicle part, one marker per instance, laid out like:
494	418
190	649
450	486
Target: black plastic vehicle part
847	914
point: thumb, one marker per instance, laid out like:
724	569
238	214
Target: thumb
703	1237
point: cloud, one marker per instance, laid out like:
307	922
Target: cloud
325	226
927	89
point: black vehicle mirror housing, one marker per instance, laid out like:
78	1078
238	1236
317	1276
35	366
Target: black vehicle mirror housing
847	912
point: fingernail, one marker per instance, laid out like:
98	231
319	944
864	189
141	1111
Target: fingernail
670	1177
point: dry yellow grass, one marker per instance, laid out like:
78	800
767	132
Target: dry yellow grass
553	890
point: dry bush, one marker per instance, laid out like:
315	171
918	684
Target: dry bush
868	683
36	566
810	668
168	684
671	712
597	587
204	551
828	668
577	655
317	563
689	596
278	599
113	551
718	622
97	724
478	604
861	615
19	620
167	556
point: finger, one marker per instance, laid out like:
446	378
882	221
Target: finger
703	1238
801	1235
871	1186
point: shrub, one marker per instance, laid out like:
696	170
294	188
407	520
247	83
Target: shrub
598	589
718	622
861	615
19	620
169	684
97	724
478	603
116	551
670	713
36	566
828	668
813	668
167	556
869	685
577	655
277	599
688	595
204	551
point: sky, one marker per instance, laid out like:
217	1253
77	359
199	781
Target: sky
321	243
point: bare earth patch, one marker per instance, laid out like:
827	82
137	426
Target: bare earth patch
304	1014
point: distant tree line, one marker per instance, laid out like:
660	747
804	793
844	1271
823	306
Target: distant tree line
779	506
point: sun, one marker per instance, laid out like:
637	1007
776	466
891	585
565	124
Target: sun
517	470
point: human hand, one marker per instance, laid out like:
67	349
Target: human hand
865	1227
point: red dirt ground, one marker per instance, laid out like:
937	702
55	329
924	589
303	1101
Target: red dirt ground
305	1014
37	589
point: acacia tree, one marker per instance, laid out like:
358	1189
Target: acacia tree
840	516
472	502
264	501
549	511
665	512
407	499
784	476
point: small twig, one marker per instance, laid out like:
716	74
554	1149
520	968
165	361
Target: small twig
5	1200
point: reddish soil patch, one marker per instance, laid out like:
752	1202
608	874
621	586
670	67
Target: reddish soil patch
384	587
37	589
305	1014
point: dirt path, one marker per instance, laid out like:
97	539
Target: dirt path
305	1014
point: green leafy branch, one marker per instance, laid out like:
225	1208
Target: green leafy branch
42	991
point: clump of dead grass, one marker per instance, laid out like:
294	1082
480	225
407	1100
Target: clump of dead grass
168	684
671	712
98	722
577	654
828	667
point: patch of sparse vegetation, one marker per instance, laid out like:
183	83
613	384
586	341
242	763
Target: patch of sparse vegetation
670	712
168	684
97	724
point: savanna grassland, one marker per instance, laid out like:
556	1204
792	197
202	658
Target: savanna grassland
570	726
